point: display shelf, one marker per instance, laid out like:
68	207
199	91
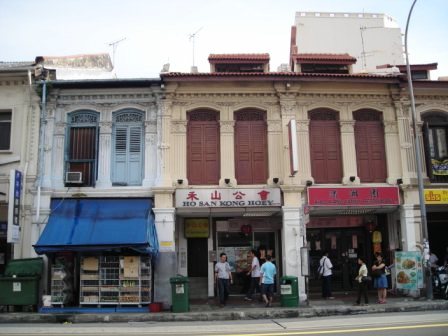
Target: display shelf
121	280
57	284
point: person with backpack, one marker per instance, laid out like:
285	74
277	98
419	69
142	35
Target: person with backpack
325	272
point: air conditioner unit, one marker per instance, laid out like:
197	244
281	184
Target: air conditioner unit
73	177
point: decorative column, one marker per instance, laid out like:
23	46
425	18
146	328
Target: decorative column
227	139
303	139
58	155
150	166
166	261
276	156
164	134
105	155
348	151
48	147
293	237
409	170
179	150
392	143
288	111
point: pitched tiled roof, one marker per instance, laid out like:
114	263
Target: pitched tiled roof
239	57
272	76
15	65
339	58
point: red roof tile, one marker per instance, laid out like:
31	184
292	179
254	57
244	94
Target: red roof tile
239	57
345	58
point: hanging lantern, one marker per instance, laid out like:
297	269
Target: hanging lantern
246	229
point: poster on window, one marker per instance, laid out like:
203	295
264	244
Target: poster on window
236	257
409	270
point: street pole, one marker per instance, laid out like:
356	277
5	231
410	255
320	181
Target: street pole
429	292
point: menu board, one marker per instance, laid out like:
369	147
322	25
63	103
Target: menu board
409	270
237	257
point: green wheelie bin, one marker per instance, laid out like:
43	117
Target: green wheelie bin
180	294
289	291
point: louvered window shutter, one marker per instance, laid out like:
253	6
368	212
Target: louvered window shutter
119	169
135	155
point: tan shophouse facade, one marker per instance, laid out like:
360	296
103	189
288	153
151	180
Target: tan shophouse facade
229	183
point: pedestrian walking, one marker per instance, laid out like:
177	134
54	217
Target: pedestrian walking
254	273
268	272
325	271
362	281
379	277
223	278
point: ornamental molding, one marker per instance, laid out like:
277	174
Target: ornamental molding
13	82
227	126
390	127
343	98
150	139
179	126
105	127
303	125
59	128
151	126
114	98
219	95
347	126
274	126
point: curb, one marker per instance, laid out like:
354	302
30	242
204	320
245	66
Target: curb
225	315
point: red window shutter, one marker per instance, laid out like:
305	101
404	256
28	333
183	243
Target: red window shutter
370	151
251	152
325	145
203	161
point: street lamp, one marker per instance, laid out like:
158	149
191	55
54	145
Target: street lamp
429	293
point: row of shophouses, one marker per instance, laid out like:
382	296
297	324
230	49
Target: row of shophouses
126	183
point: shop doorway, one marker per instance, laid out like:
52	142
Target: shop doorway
344	245
198	267
237	246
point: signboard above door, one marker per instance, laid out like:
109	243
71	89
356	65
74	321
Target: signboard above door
227	197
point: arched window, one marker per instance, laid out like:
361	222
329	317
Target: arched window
81	155
127	154
251	154
203	154
436	145
370	146
325	146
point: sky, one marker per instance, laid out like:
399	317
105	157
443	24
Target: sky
156	32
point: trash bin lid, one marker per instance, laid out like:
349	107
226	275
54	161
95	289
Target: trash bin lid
288	277
24	267
178	279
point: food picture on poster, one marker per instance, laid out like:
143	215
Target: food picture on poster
409	270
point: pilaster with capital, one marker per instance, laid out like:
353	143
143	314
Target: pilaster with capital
303	139
58	155
164	125
227	128
288	108
348	150
48	142
406	142
150	167
179	149
392	144
105	155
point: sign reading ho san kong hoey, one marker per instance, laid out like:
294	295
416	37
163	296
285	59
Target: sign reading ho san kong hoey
226	198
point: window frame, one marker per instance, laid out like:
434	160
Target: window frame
128	124
10	121
432	121
88	119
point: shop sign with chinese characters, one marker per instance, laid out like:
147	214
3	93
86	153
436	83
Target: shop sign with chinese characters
353	196
226	198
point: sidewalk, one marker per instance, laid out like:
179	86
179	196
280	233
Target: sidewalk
238	309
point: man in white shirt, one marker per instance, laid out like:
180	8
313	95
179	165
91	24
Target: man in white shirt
325	267
223	278
255	276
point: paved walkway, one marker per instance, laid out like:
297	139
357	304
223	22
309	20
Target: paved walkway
238	309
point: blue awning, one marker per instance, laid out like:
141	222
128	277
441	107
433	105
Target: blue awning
99	224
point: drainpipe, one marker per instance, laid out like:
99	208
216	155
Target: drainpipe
40	168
